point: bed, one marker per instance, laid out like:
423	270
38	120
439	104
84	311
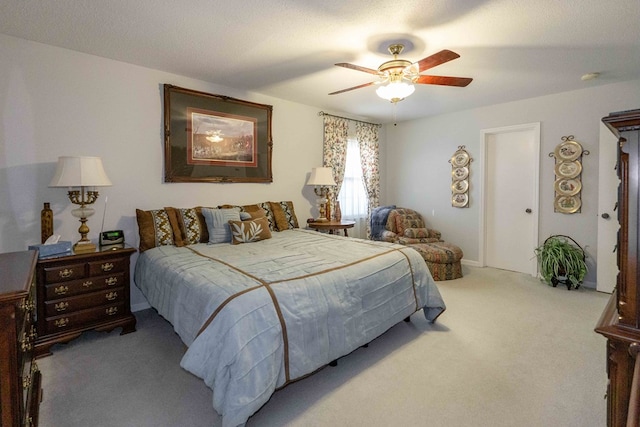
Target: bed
258	316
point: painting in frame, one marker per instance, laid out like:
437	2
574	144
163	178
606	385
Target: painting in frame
215	138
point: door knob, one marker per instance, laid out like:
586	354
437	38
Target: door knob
605	215
528	210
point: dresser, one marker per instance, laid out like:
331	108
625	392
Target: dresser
20	379
82	292
620	322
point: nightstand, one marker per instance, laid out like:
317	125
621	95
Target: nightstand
82	292
332	226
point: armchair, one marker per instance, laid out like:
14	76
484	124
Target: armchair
406	227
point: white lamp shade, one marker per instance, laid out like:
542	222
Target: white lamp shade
80	172
321	177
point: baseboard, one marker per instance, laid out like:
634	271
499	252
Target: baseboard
470	263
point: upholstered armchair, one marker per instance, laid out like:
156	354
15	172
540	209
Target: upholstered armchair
407	227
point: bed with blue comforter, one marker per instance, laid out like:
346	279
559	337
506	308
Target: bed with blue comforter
258	316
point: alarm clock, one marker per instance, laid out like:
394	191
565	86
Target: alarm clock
113	237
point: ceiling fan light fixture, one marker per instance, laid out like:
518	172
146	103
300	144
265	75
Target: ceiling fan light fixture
395	91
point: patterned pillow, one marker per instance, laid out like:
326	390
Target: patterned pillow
417	233
408	221
154	229
257	210
284	215
188	225
253	230
218	223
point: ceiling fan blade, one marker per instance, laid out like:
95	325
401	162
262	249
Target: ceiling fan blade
444	80
436	59
352	88
358	68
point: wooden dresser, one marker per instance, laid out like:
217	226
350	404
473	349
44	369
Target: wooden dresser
620	322
20	379
82	292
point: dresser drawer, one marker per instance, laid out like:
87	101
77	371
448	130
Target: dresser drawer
98	268
64	273
83	317
65	289
79	302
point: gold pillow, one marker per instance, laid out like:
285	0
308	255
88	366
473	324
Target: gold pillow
249	231
188	225
154	229
284	215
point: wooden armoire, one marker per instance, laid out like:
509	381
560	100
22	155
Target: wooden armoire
620	322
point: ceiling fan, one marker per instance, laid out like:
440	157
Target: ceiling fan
397	76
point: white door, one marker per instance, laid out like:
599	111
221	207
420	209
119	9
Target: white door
607	218
510	196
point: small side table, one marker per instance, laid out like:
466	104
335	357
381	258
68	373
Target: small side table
332	226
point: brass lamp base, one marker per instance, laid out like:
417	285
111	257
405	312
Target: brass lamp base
84	247
321	219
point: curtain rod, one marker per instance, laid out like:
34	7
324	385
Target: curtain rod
322	113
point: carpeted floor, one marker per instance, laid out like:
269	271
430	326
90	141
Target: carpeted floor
509	351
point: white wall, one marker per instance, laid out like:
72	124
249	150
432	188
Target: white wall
57	102
419	175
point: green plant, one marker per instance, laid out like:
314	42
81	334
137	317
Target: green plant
560	261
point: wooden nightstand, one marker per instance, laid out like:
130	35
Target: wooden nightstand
332	226
82	292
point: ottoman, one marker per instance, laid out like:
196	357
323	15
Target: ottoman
442	258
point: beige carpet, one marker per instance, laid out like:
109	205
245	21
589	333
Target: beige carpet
509	351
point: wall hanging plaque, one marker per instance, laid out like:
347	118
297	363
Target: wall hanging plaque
460	163
568	184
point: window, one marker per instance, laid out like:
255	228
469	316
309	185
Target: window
352	196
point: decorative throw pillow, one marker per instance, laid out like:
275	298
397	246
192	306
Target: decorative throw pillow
187	225
284	215
154	229
218	223
259	213
268	213
253	230
417	233
408	221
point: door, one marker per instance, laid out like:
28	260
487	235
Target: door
607	219
510	197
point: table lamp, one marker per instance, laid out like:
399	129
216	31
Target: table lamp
321	179
81	172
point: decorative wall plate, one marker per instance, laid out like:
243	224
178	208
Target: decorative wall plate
568	150
460	186
568	169
568	186
460	173
459	200
460	158
568	204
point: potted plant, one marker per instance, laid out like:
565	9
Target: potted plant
561	260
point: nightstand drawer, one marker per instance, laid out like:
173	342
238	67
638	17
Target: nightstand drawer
64	273
79	302
83	317
65	289
98	268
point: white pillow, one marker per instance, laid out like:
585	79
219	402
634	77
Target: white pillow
218	223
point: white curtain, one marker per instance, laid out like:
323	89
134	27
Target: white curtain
353	195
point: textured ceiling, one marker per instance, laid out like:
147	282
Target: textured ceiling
513	49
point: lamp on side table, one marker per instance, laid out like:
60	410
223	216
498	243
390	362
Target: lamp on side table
322	179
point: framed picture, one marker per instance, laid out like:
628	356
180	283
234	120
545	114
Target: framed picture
215	138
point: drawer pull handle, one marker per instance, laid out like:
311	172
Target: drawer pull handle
111	296
111	311
61	290
107	266
110	281
61	323
26	382
62	306
87	284
66	273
